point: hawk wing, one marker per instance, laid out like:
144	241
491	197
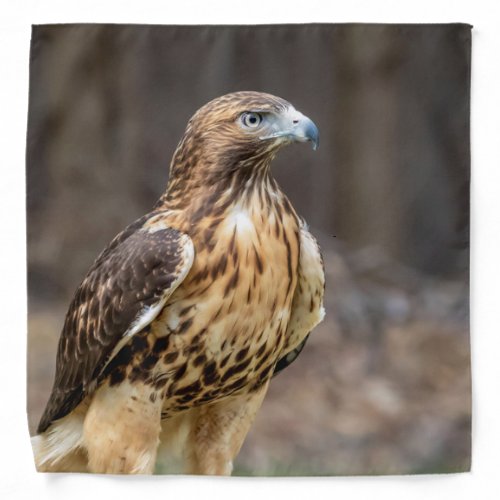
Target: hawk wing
307	305
124	290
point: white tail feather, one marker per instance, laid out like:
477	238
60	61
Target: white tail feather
61	440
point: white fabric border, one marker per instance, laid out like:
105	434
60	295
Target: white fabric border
18	478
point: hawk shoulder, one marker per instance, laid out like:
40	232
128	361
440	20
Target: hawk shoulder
124	290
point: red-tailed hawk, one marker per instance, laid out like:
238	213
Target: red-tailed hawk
172	338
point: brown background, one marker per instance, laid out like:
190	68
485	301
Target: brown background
383	385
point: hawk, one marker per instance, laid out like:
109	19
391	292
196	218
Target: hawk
170	341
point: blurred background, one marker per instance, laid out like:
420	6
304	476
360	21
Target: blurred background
383	385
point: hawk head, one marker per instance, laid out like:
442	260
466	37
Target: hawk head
254	121
234	137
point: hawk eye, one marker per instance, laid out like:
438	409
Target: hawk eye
250	119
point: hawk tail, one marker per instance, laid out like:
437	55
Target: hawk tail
60	448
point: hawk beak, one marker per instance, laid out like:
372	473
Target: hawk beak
304	129
295	127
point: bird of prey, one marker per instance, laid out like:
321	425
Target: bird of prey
171	339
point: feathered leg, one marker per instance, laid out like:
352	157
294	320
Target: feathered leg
121	429
219	431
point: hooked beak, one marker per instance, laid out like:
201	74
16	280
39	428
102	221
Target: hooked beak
295	127
305	130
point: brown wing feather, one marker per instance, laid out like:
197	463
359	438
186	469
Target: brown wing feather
307	307
290	357
140	268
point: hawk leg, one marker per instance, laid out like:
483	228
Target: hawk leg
219	431
121	429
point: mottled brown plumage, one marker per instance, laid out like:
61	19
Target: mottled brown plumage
181	322
136	271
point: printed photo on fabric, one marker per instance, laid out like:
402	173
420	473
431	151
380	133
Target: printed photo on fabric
248	249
